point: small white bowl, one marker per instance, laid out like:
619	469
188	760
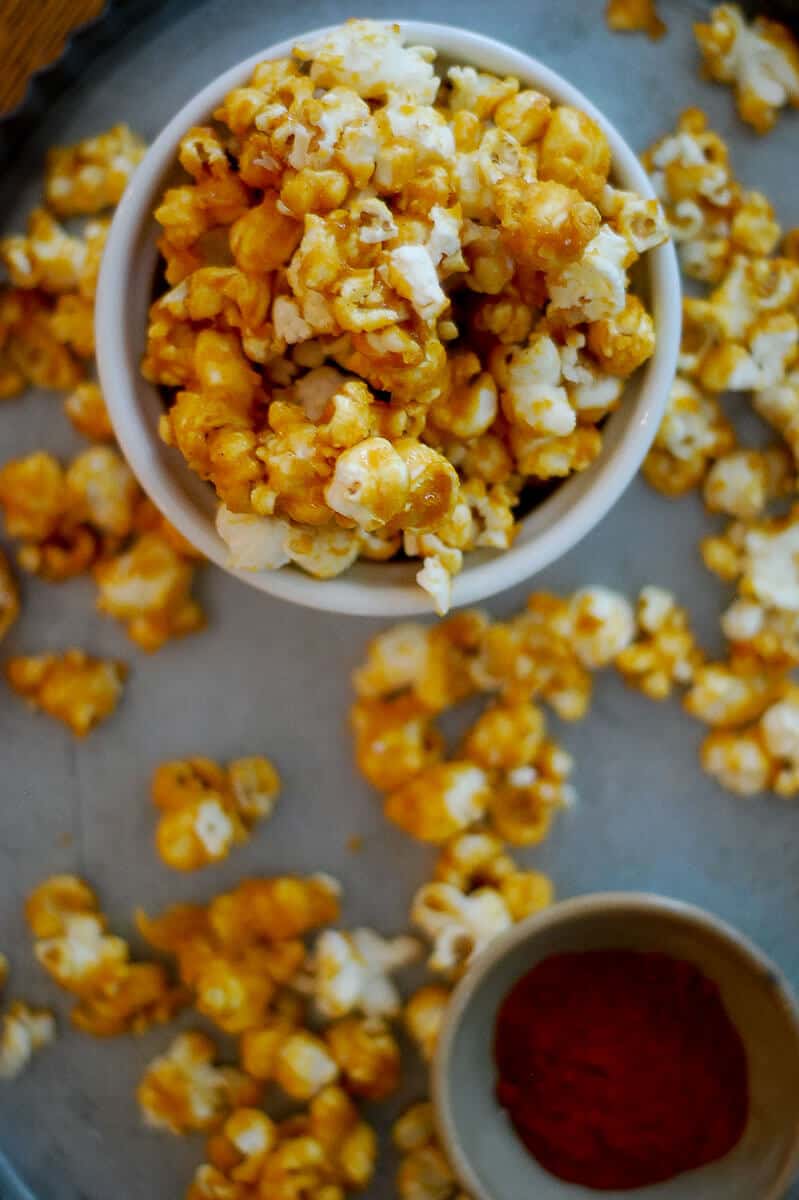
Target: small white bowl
492	1162
369	589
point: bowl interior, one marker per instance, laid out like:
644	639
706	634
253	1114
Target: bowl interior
125	293
493	1162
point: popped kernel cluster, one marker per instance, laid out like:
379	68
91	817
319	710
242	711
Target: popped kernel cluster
635	16
325	1151
761	61
424	1171
711	216
23	1031
741	337
72	687
72	943
206	809
92	516
183	1090
396	301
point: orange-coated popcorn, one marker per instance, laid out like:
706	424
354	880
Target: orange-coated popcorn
31	352
423	1017
206	810
634	16
86	409
23	1031
693	433
148	587
742	483
439	801
9	597
761	60
92	174
72	687
47	257
731	693
324	1151
394	739
360	218
665	652
182	1090
424	1171
114	994
760	757
367	1055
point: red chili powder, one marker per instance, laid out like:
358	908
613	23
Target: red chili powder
620	1069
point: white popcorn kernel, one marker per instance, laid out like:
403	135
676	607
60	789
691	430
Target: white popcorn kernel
214	828
323	552
23	1031
534	396
595	285
459	926
255	543
370	483
369	56
435	579
315	390
413	275
602	624
351	972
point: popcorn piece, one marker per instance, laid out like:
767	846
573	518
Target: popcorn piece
524	801
183	1091
148	587
459	926
92	174
779	405
634	16
370	484
761	60
72	687
86	409
535	396
693	433
114	995
737	761
439	801
33	495
369	56
394	740
742	483
665	651
729	694
424	1170
593	287
367	1055
103	489
602	625
207	810
9	597
424	1016
23	1031
351	972
762	756
47	258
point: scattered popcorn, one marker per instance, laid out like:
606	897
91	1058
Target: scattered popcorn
236	953
182	1091
458	926
9	597
72	687
602	625
665	652
761	756
86	409
325	1151
731	693
779	406
367	1055
206	810
439	801
742	483
634	16
761	60
351	972
424	1171
711	217
92	174
114	995
23	1031
694	432
370	229
424	1016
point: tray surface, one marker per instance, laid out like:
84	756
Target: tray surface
266	676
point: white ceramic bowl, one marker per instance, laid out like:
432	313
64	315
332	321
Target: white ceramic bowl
369	589
490	1159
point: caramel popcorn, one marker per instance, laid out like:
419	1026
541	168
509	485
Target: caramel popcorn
367	1055
351	972
634	16
742	483
424	1171
72	687
23	1031
694	432
763	756
9	597
324	1151
665	652
424	1015
86	409
182	1090
114	994
368	229
92	174
761	60
206	810
711	217
30	352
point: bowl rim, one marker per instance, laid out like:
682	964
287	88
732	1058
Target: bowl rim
637	903
479	579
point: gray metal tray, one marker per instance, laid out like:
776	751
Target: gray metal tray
266	676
